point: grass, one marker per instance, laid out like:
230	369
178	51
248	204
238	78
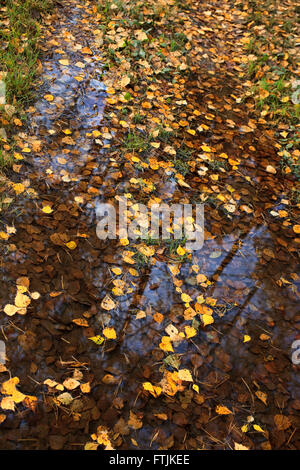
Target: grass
272	69
136	142
138	118
19	34
19	51
6	160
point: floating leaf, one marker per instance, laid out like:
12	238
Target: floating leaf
97	339
223	410
110	333
107	303
184	374
47	209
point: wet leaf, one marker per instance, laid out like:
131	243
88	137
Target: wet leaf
223	410
282	422
71	384
109	333
107	303
97	339
184	374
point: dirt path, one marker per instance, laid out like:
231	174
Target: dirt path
248	261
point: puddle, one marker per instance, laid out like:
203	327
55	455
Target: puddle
251	266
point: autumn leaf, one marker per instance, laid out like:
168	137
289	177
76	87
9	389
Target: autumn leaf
117	271
109	333
47	209
49	97
80	322
207	319
166	344
97	339
186	298
134	421
107	303
262	396
257	428
282	422
155	391
190	331
10	310
223	410
71	245
184	374
296	229
71	384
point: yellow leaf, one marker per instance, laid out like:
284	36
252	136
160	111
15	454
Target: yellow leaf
117	271
184	374
201	278
207	319
47	209
97	339
223	410
257	428
71	384
246	338
85	388
174	269
7	403
155	391
86	50
107	303
262	396
124	81
190	331
80	322
158	317
10	310
21	300
238	446
109	333
186	298
71	245
91	446
4	235
296	228
18	188
133	272
49	97
35	295
180	251
96	133
9	388
166	344
146	105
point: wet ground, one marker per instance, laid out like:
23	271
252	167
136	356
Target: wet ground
249	260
